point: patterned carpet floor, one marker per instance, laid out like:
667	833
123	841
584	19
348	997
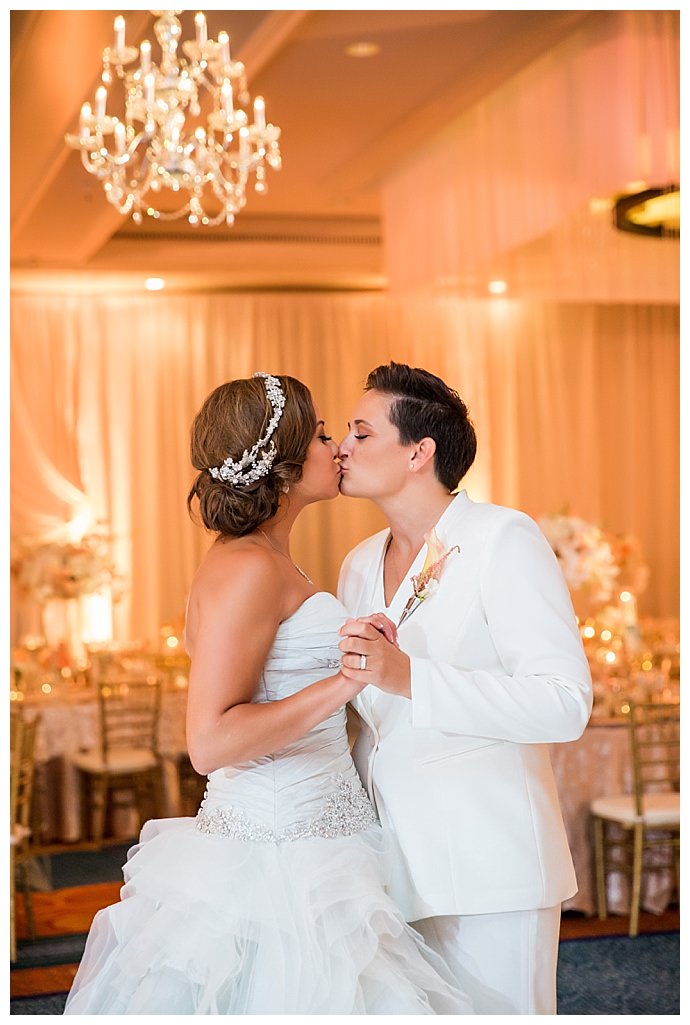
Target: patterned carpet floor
600	970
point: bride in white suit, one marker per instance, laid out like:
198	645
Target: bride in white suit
457	720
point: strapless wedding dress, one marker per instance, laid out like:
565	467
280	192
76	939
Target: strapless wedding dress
271	900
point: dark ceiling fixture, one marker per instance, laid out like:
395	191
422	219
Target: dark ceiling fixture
652	212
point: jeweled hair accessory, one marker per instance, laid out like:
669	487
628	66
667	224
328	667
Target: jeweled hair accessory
252	466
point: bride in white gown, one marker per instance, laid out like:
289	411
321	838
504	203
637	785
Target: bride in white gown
271	900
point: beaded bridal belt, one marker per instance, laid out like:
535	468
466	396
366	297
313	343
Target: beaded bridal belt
346	810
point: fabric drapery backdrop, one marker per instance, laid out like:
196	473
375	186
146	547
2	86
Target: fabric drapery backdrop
575	406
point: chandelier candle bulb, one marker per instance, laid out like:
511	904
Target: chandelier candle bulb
226	90
260	113
244	143
224	43
85	123
119	33
150	88
200	22
120	138
145	55
101	94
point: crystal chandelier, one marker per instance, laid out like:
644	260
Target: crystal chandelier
163	145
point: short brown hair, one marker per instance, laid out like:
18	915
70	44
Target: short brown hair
231	420
424	406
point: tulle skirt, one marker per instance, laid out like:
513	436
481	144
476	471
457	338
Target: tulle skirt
212	925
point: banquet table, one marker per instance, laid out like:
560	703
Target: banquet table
599	764
69	723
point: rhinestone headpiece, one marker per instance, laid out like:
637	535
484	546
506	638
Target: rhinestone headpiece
252	466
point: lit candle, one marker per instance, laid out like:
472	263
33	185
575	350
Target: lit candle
150	87
145	55
119	138
632	632
119	33
226	90
200	22
260	113
101	94
224	42
244	143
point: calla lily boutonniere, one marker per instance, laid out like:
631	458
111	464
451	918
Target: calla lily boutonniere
425	584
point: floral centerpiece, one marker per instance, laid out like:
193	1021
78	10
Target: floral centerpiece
633	571
605	573
55	570
586	557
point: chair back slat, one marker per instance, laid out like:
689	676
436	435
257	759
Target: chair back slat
130	714
23	732
655	747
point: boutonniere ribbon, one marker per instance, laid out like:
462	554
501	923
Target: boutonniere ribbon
425	584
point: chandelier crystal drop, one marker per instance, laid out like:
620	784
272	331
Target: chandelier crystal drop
183	131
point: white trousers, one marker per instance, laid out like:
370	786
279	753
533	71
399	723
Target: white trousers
506	962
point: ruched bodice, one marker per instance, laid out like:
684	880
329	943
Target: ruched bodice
310	787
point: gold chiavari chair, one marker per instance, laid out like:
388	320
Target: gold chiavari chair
22	764
126	760
628	826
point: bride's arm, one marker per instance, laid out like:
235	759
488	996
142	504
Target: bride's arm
237	615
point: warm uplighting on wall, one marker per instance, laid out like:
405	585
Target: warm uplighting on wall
497	287
97	617
154	284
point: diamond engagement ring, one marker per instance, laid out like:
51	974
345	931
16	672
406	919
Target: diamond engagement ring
362	661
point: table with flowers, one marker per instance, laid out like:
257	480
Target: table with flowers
67	705
631	659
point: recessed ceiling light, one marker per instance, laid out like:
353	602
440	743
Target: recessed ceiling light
362	49
497	287
154	284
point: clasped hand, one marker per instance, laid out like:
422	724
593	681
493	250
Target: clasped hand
375	637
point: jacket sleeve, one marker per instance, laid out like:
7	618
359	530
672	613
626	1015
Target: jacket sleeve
542	692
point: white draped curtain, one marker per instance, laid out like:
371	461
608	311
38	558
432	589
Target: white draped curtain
520	186
575	406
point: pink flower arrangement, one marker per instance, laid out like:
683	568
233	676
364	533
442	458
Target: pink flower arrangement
55	570
585	555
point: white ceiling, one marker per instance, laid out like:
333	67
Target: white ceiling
346	123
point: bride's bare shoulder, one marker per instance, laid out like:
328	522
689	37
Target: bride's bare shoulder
233	579
231	563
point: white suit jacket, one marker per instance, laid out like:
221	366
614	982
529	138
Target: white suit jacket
461	774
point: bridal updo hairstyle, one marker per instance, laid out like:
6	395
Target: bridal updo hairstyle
231	421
